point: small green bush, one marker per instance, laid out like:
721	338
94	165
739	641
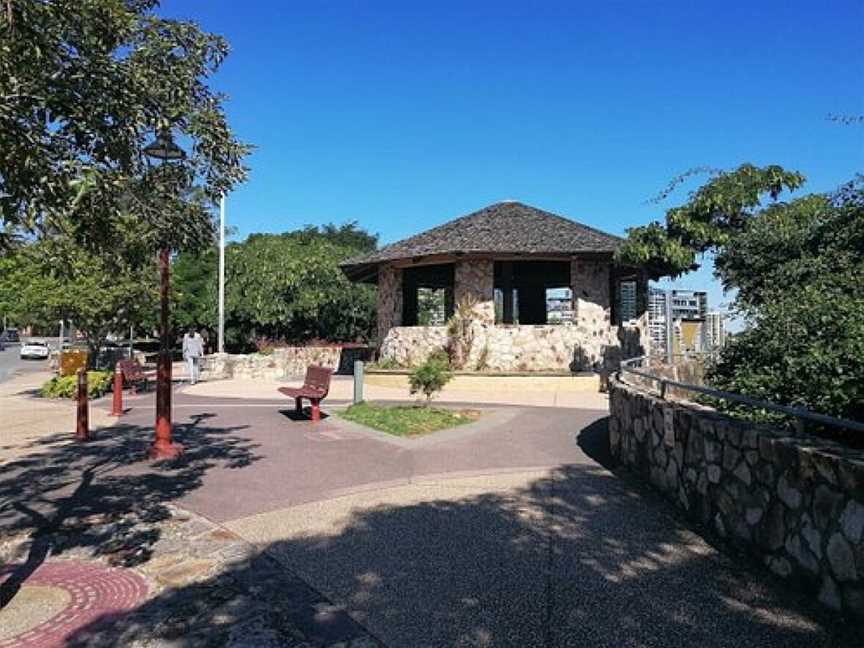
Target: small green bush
431	376
98	383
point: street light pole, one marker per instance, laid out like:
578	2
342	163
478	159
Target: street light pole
164	149
220	347
163	447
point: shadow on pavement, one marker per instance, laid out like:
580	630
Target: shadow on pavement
594	442
580	558
102	495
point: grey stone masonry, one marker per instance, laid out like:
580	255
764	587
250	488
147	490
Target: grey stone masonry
794	502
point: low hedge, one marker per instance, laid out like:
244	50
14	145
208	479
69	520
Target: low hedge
98	383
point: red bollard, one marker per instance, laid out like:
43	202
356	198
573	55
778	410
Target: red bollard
117	404
82	427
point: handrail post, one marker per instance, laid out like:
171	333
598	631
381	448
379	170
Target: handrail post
662	389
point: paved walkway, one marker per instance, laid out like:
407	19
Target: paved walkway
507	532
342	389
29	423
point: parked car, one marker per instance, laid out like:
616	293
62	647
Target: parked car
34	350
11	335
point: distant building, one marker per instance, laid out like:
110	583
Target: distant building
715	330
689	307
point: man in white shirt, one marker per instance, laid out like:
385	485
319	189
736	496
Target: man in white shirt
193	351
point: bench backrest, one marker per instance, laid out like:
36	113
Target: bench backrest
132	371
318	378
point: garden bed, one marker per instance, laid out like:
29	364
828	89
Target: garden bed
407	420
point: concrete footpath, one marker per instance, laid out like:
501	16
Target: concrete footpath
31	423
273	531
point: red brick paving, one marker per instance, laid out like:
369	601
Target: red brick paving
96	592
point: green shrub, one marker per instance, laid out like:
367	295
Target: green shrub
98	383
439	357
431	376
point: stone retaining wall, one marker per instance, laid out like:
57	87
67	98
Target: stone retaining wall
284	362
795	502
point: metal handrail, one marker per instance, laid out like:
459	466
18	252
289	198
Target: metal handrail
797	412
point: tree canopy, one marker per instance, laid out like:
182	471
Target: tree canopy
285	287
83	85
713	215
798	271
55	279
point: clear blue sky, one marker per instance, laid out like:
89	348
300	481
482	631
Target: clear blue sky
402	115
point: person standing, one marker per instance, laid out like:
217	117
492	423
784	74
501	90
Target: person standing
193	349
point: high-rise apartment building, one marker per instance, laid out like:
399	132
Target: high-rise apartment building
677	305
715	330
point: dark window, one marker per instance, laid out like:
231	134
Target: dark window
626	301
427	295
533	292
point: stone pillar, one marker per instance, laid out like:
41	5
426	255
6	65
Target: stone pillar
476	278
591	300
389	299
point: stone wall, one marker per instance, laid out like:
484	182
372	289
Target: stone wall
284	362
794	502
589	343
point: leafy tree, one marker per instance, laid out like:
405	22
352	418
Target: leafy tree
715	213
83	86
798	268
280	286
55	278
194	290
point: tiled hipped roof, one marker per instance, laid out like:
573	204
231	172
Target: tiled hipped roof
502	228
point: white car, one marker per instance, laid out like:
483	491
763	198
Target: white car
34	350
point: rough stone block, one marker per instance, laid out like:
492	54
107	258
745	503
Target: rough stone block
753	515
702	483
766	448
829	593
825	467
712	451
841	558
851	473
714	474
733	435
772	531
788	494
852	521
765	473
853	599
812	536
779	566
730	457
826	505
795	548
742	472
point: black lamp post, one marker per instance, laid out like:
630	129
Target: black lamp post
166	150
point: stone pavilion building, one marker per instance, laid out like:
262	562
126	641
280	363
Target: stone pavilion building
547	293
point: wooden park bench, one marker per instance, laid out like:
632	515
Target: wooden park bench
315	387
134	374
